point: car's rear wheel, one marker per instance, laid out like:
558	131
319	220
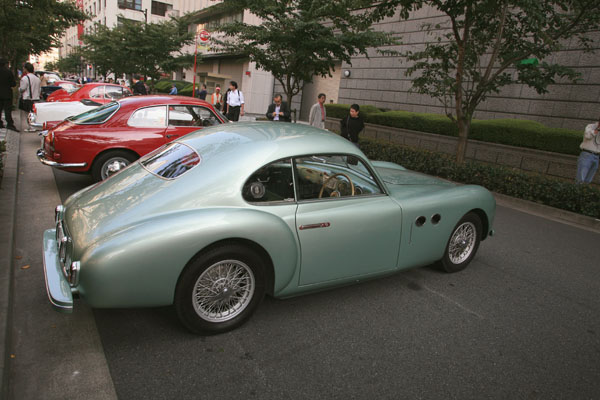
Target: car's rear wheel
220	289
110	163
463	243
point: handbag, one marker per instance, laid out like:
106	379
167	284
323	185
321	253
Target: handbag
26	104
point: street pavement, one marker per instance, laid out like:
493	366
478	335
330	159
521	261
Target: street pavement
47	355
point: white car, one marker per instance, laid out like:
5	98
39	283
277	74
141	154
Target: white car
54	112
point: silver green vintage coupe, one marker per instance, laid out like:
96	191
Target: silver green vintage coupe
217	219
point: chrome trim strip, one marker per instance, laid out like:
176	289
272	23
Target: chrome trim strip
41	155
314	226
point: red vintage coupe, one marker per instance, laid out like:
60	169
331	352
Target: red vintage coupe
99	92
108	138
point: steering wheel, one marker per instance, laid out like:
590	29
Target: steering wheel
336	185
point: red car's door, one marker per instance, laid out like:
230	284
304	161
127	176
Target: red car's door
147	129
187	118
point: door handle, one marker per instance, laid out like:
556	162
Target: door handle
314	226
170	136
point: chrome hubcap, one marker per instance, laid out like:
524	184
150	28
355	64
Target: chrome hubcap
223	291
462	243
113	166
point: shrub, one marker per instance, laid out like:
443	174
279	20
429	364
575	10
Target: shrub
164	86
581	199
511	132
341	110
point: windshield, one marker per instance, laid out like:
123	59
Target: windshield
96	115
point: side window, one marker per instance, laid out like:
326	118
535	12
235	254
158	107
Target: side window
113	92
96	93
149	117
273	182
188	115
339	175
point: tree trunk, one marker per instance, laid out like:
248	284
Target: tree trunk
464	125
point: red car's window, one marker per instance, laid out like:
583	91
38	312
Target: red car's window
171	160
96	115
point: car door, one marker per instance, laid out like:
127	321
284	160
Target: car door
147	128
347	226
186	118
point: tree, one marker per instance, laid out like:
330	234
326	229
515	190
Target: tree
135	47
486	44
72	63
300	39
32	27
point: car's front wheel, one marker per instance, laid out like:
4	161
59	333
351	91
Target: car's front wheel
463	243
110	163
219	290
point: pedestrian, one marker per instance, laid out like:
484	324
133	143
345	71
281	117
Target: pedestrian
317	112
173	89
43	79
30	89
138	86
278	110
235	101
225	107
587	163
352	124
7	82
202	93
216	98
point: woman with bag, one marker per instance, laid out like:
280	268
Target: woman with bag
30	88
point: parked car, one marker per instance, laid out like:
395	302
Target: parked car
51	76
108	138
216	219
68	86
45	115
99	92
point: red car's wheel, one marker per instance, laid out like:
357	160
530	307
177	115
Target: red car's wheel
110	163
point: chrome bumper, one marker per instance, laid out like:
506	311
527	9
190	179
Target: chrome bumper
57	286
31	118
41	155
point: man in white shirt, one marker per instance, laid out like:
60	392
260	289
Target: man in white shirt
235	102
317	112
587	163
30	89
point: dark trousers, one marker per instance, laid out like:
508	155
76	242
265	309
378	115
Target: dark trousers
234	113
6	106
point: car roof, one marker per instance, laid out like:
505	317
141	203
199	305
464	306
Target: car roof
140	101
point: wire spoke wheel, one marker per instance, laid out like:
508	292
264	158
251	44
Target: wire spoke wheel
462	243
223	291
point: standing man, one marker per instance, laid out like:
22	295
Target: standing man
587	163
173	90
139	89
279	110
317	112
30	89
202	94
7	82
215	98
235	101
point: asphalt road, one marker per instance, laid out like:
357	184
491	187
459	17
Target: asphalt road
522	322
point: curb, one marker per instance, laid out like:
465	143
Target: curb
8	199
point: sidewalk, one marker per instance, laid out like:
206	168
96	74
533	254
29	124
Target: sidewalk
45	354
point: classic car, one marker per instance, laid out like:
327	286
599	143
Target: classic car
44	115
215	220
67	86
99	92
107	138
51	76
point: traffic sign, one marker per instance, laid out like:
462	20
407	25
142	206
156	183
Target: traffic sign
204	36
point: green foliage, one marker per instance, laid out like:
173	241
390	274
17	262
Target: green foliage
300	39
341	110
511	132
134	47
165	85
31	27
478	48
72	63
582	199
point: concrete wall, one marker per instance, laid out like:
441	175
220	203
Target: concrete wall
543	162
381	81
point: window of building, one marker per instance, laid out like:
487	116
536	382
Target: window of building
130	4
159	8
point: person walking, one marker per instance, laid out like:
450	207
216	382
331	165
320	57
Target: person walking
352	125
30	89
587	163
235	102
7	82
173	90
278	110
317	112
202	93
216	98
138	88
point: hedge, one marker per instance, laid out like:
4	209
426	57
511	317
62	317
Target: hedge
581	199
184	88
511	132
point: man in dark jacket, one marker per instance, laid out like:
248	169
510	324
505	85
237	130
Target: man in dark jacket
279	110
352	124
138	86
7	82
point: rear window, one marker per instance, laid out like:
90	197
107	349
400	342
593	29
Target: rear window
171	160
96	115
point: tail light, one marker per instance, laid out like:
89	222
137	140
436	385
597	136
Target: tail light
34	110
